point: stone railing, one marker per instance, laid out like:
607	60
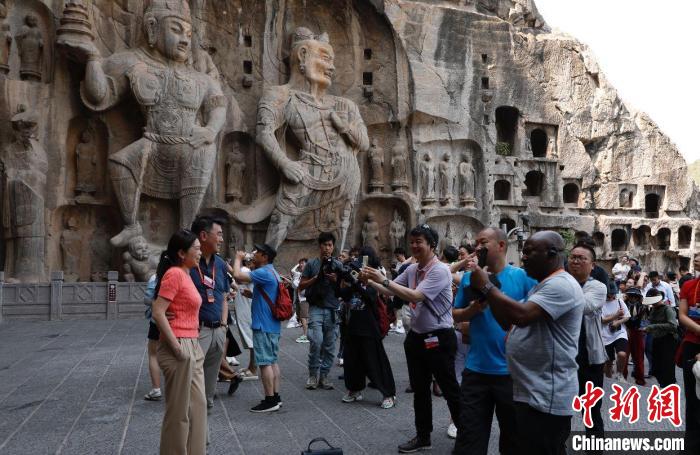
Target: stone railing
59	300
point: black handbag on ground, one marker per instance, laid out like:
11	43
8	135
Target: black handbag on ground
329	451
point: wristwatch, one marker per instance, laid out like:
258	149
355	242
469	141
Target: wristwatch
385	283
487	288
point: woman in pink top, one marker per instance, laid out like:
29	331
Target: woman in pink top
180	356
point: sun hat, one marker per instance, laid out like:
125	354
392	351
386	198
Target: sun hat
653	296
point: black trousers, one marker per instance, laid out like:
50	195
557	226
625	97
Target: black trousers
423	365
365	357
593	373
692	403
539	433
481	394
662	354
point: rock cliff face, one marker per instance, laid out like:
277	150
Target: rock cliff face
477	114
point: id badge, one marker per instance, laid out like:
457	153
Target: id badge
431	342
210	296
208	282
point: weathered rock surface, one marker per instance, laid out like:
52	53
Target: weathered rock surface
485	82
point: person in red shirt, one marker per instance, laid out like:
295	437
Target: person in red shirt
180	355
689	318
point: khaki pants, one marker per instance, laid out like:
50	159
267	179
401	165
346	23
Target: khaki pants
212	343
184	428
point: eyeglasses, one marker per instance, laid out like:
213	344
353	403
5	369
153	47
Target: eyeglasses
578	259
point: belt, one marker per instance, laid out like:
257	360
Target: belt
211	325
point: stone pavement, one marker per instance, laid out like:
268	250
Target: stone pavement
76	387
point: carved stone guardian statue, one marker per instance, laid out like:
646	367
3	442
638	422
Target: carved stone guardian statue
397	232
375	157
235	169
71	248
318	189
179	151
5	42
399	165
139	263
30	44
370	232
466	182
86	165
24	166
447	180
427	179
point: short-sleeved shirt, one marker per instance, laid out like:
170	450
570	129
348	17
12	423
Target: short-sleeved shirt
435	282
487	352
690	292
264	278
664	287
321	293
211	312
177	287
611	307
542	356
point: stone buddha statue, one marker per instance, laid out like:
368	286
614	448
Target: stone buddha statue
176	155
312	138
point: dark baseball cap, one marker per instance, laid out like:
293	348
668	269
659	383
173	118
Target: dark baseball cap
266	249
634	291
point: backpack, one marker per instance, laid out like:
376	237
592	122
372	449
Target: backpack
282	309
383	316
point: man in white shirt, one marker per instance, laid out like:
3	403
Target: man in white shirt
621	269
656	283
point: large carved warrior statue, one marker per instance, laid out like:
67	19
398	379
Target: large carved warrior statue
312	138
176	155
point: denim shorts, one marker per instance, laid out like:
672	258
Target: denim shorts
266	345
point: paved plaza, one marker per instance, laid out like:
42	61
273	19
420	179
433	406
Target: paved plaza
76	387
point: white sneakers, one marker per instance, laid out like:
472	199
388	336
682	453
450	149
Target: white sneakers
452	431
349	397
153	395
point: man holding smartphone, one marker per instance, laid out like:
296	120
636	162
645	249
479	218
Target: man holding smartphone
486	382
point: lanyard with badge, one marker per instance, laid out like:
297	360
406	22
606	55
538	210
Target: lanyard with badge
209	282
430	342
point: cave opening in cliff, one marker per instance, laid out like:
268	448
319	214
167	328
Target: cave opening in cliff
618	239
662	241
501	190
506	128
642	236
485	83
652	201
685	234
570	193
534	183
509	223
599	239
538	143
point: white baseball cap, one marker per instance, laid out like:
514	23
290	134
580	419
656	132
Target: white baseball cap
696	372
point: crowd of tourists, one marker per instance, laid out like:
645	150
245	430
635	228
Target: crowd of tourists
484	334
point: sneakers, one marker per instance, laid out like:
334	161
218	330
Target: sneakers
414	445
278	399
340	361
153	395
247	375
349	397
269	404
312	383
233	361
325	383
235	382
400	330
620	378
388	403
452	431
302	339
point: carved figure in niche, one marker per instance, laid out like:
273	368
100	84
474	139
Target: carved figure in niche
447	180
376	165
5	42
317	191
86	164
626	198
467	239
235	168
448	239
30	44
71	248
370	232
427	179
24	166
397	232
180	150
232	244
399	164
467	178
139	264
